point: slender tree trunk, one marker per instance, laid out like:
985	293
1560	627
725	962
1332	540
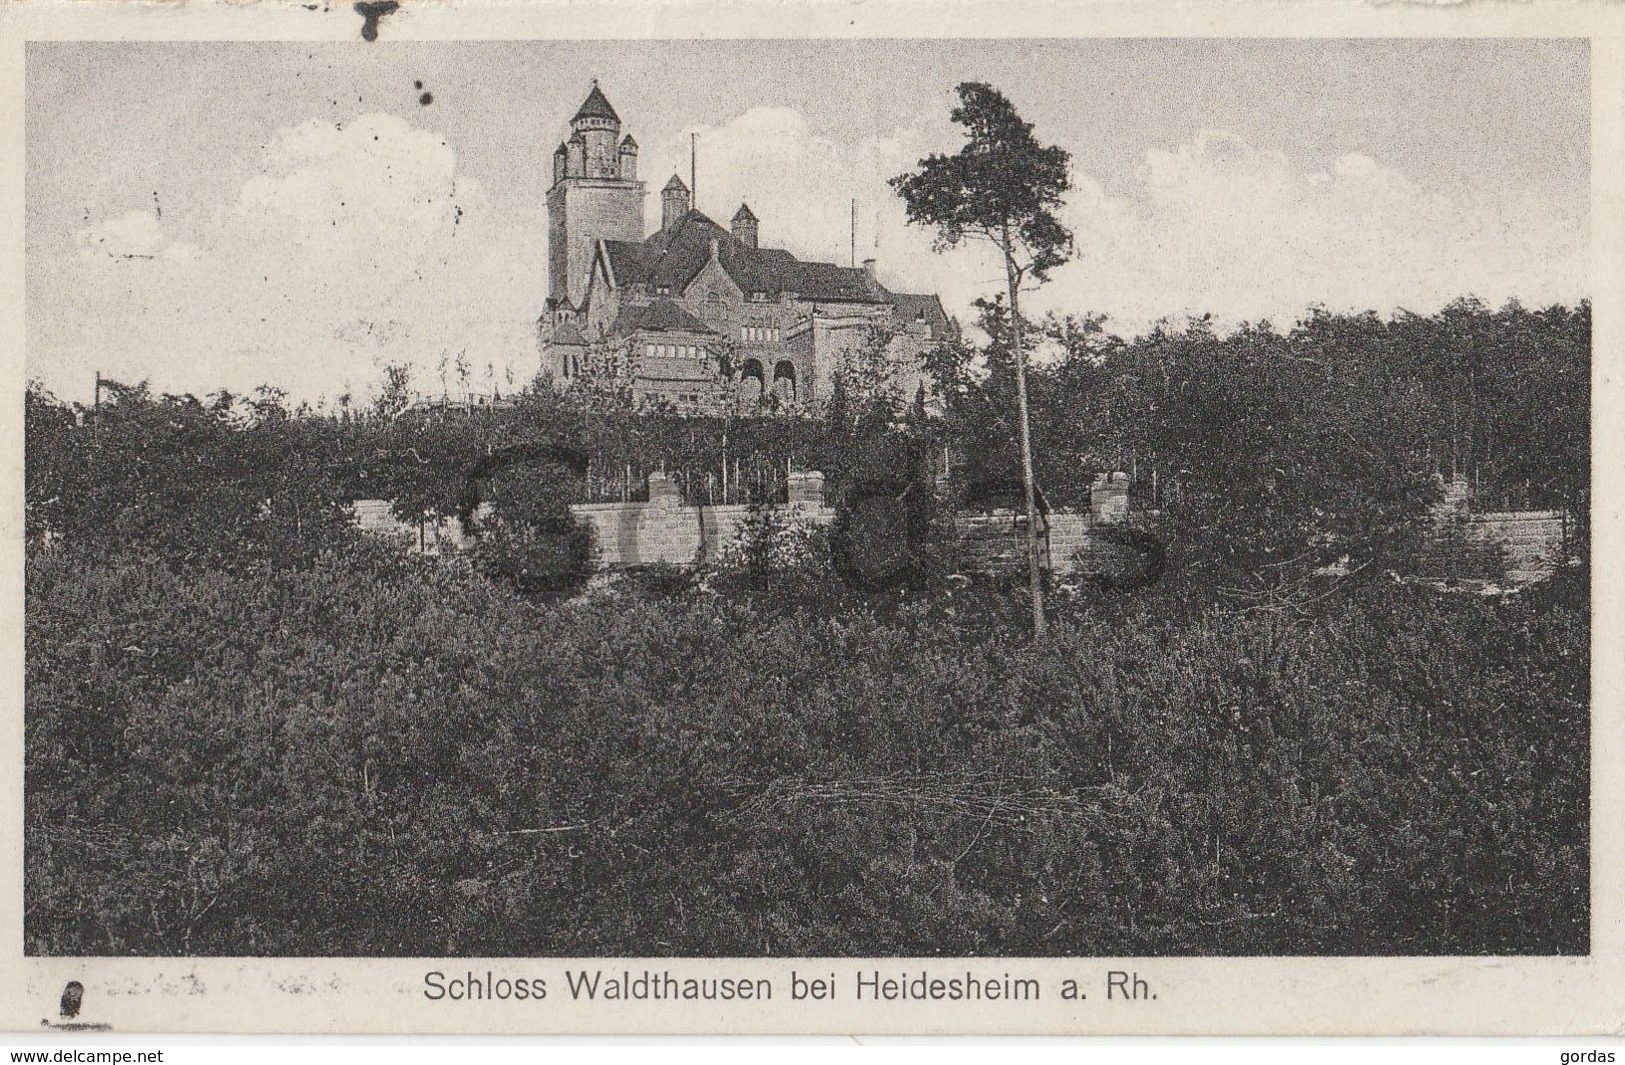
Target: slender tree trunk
1035	566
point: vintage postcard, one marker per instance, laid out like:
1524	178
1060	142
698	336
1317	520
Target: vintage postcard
809	518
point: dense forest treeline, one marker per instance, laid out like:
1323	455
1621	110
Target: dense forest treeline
1255	448
251	730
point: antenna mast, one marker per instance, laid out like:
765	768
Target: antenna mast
693	170
854	249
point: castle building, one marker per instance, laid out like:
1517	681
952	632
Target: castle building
695	312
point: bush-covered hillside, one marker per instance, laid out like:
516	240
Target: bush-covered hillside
250	730
363	759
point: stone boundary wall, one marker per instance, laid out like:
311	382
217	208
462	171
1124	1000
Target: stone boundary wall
644	534
1071	540
664	531
997	540
1533	540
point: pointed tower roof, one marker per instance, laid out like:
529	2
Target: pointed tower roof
596	105
675	183
744	214
628	144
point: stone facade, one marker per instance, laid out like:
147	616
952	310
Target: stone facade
595	196
752	322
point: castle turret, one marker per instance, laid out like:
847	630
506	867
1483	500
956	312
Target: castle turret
673	202
599	127
576	156
595	196
629	158
744	225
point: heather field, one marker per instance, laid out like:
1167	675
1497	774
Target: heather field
253	730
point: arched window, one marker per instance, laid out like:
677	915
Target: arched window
751	385
784	380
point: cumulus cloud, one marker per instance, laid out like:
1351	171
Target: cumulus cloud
1221	226
1216	225
350	246
132	235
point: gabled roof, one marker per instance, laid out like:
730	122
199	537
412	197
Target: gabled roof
628	262
675	183
661	316
671	259
596	105
744	214
911	308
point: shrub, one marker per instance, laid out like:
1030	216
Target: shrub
405	759
773	540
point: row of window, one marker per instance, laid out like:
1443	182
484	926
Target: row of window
674	351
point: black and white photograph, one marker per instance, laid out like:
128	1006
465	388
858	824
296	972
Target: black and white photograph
786	498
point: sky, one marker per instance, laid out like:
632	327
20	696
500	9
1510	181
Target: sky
208	215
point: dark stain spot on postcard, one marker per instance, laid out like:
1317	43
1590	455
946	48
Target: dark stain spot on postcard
73	996
371	14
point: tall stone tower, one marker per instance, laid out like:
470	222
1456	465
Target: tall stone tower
595	196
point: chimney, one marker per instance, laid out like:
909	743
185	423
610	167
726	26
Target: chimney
673	203
744	226
869	269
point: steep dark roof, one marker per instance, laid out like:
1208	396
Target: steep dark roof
744	214
628	262
911	308
672	257
596	105
628	142
675	183
661	316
